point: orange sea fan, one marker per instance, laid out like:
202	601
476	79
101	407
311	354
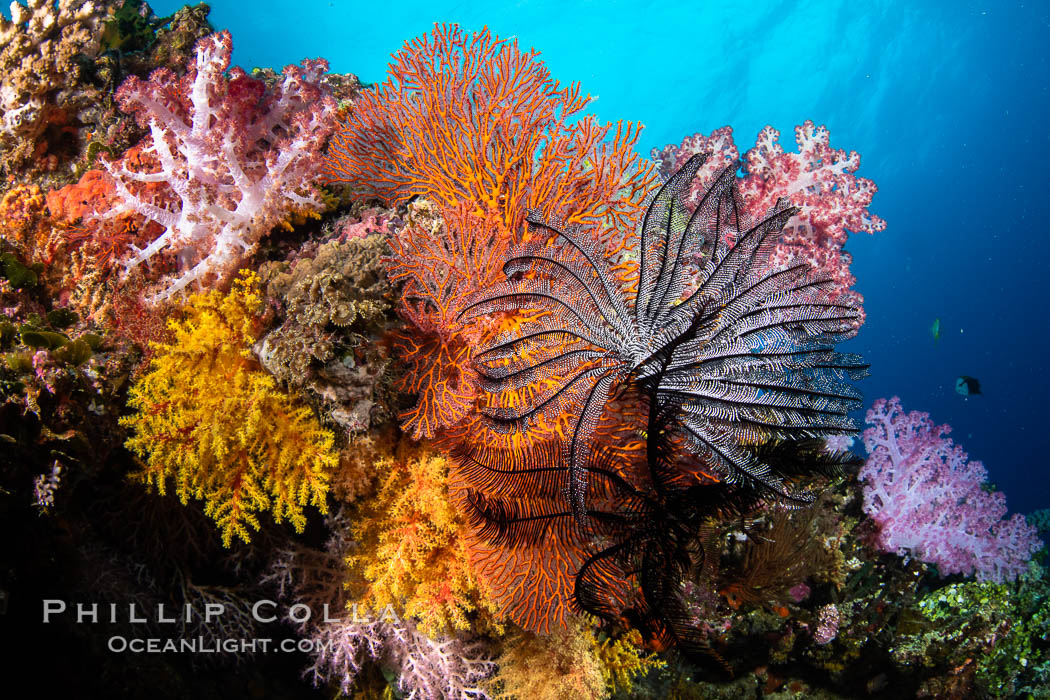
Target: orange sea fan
533	576
440	262
474	119
477	133
442	259
479	129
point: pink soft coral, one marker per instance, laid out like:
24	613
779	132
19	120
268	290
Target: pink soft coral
819	180
345	639
449	667
929	500
227	158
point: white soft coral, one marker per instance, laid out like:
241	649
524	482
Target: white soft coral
226	160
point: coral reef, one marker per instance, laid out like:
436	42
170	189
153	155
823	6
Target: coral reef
424	667
412	548
350	638
1002	628
775	561
481	129
570	663
61	391
334	304
45	49
546	419
622	661
724	368
564	664
60	61
23	223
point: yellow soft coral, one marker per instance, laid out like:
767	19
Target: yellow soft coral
562	665
412	552
621	660
569	663
210	420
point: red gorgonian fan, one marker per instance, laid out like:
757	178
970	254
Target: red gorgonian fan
439	263
471	118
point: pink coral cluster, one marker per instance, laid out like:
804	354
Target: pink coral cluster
819	180
929	501
719	144
426	668
45	486
226	160
364	224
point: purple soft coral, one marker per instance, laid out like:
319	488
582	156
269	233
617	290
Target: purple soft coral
928	499
226	159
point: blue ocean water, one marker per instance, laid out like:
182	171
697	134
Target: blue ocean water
946	102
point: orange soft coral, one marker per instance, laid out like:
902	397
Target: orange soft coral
412	552
94	192
92	248
23	223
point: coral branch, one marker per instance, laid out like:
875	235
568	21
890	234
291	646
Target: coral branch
208	420
481	130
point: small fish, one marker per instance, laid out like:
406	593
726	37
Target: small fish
935	329
967	386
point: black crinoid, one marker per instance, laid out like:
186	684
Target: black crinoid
635	546
731	358
739	353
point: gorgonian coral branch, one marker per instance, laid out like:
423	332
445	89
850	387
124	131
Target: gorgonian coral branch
479	129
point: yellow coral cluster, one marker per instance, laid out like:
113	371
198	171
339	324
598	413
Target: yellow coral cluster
23	222
207	418
412	552
570	663
621	661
